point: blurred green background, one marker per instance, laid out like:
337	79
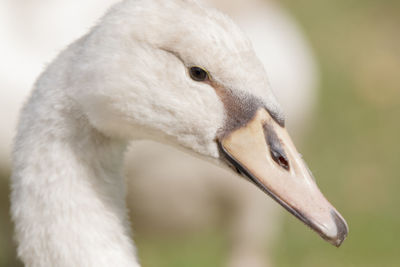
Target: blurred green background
353	147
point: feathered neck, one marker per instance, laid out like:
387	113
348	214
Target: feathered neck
68	197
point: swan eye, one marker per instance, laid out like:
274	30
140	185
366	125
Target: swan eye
198	74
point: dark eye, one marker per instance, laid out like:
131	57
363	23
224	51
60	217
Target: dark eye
198	74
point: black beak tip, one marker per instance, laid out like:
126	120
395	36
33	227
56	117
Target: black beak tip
342	228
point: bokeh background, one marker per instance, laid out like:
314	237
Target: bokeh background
352	147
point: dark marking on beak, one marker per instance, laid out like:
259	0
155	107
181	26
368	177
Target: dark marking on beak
240	108
231	161
275	147
342	229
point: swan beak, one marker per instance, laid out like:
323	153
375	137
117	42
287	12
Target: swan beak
263	151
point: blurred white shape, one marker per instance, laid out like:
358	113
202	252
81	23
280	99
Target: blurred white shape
32	33
182	192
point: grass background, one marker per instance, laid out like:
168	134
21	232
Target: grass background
353	148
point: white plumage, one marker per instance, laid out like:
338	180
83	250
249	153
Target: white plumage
304	82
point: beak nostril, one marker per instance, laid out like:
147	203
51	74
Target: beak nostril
280	159
283	162
275	146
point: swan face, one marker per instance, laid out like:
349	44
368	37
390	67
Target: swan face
141	66
139	79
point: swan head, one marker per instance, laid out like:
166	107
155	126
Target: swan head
185	74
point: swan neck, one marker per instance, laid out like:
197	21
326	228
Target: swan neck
68	191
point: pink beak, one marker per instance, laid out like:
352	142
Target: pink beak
263	151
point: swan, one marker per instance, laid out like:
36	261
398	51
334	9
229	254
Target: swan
131	77
276	38
253	221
